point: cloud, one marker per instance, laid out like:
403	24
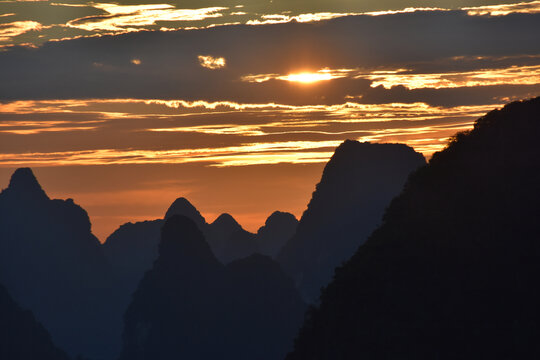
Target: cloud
131	131
121	18
410	79
10	30
265	56
514	75
301	18
85	19
300	77
532	7
211	62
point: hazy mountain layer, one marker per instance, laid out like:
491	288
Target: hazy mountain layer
189	305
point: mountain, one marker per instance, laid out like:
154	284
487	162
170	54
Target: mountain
21	336
356	186
52	264
191	306
182	206
229	241
278	228
267	306
133	247
131	251
453	271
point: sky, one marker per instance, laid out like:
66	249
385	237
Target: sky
237	105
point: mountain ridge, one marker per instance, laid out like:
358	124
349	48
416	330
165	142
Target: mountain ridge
357	184
452	272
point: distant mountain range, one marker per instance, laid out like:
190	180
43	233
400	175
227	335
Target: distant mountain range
191	306
132	248
453	271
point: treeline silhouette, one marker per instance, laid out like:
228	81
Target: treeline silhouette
453	271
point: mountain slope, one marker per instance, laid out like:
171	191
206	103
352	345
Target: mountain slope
278	228
229	241
21	336
453	271
191	306
52	264
357	184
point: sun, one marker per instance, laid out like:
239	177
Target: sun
308	78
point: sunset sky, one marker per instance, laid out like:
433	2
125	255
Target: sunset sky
237	105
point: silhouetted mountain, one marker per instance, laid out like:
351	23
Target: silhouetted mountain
190	306
182	206
133	247
268	307
357	185
21	336
453	271
228	240
278	228
131	251
52	264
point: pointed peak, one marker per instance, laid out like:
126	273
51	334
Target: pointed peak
24	182
181	238
182	206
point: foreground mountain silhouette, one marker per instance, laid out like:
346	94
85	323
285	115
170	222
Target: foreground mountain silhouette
453	272
357	185
52	265
21	336
191	306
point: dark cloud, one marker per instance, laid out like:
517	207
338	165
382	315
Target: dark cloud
169	68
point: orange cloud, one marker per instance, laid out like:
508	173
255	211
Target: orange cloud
211	62
264	133
514	75
135	17
10	30
531	7
305	77
248	154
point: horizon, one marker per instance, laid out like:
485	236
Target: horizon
150	207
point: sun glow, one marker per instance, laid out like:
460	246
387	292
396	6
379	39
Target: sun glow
308	78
